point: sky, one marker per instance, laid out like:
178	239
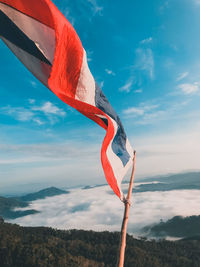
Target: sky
145	56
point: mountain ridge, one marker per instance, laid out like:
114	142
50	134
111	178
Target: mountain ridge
8	205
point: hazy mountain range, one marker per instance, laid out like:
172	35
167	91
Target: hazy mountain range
8	205
159	204
178	226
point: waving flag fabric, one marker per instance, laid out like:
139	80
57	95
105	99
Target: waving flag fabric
47	44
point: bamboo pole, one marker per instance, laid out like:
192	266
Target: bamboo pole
120	261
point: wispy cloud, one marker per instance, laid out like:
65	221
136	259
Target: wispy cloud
189	88
33	83
101	84
147	40
49	108
37	114
152	113
164	6
69	17
127	86
19	113
31	101
143	67
134	111
81	12
140	110
89	55
97	9
145	61
181	76
138	91
110	72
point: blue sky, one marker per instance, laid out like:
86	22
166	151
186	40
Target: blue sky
145	55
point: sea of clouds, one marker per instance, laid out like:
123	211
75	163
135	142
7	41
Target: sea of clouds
98	209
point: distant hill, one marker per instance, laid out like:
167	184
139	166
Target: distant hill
47	192
41	246
176	227
182	181
184	178
7	205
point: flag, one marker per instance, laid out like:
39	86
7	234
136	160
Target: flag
47	44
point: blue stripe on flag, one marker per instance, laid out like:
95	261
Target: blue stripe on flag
119	141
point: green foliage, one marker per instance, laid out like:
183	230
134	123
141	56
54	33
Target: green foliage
41	246
176	227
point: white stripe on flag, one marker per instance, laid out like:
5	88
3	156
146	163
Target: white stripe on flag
42	35
85	90
118	168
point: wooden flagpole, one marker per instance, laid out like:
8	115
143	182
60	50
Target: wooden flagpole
122	247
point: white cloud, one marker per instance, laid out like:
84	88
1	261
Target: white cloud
97	9
127	86
164	6
134	111
181	76
34	84
110	72
19	113
138	91
189	88
89	55
38	121
145	61
49	108
71	19
31	101
143	66
34	113
139	111
96	209
147	40
101	84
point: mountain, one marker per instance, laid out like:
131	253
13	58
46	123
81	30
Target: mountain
182	181
8	205
184	178
41	246
47	192
183	227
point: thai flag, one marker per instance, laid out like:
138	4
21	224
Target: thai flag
47	44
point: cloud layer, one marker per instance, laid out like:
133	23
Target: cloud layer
99	210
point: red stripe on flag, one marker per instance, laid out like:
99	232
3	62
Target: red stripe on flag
36	9
88	111
68	56
64	79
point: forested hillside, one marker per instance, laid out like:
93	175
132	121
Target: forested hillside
40	246
176	227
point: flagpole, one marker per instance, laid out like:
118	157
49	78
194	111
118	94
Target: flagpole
122	247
